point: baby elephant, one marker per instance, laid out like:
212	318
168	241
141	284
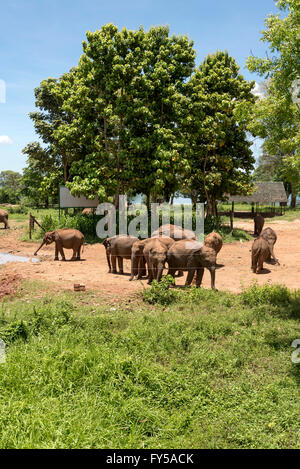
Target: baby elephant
260	253
67	238
259	222
4	218
137	255
192	256
118	247
214	240
155	253
270	236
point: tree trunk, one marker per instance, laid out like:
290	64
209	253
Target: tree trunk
212	206
293	201
65	172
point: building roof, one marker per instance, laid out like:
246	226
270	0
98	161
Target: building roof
263	193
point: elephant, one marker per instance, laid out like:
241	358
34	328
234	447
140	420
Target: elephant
258	224
260	253
67	238
137	256
173	231
192	256
118	247
214	240
270	236
155	253
4	218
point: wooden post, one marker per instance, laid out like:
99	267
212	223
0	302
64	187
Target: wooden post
30	226
231	221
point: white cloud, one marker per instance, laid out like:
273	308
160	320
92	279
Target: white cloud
259	90
5	140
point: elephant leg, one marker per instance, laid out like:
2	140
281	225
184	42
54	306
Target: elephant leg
134	267
114	263
254	263
212	277
190	276
61	251
260	265
273	255
142	267
56	252
199	276
78	253
120	264
74	255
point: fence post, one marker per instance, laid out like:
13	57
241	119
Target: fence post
231	221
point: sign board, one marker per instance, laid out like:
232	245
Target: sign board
66	200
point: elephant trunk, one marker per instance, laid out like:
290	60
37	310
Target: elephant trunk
160	269
42	244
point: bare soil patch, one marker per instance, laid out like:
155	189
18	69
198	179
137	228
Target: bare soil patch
9	283
234	261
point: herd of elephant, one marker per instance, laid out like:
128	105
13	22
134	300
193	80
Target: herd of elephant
170	244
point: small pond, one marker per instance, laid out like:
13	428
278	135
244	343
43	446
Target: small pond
5	258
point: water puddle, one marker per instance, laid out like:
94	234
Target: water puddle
5	258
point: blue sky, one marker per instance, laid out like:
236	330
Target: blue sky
42	38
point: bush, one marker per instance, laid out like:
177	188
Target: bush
14	331
278	297
20	209
159	292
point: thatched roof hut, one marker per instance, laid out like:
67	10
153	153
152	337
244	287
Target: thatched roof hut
264	193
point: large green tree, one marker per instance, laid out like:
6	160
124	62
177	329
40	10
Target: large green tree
219	152
10	186
276	117
126	104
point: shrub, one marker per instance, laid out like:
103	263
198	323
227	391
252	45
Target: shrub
277	296
14	331
159	292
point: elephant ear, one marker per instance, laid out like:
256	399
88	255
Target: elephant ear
54	235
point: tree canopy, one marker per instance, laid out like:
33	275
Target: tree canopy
276	118
135	116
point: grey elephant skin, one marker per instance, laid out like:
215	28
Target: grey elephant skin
260	253
4	218
155	253
173	231
193	257
270	236
65	238
118	247
214	240
137	255
259	222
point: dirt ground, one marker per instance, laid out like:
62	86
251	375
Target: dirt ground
232	274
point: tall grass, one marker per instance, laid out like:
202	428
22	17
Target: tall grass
209	370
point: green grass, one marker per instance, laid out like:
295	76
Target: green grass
209	370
